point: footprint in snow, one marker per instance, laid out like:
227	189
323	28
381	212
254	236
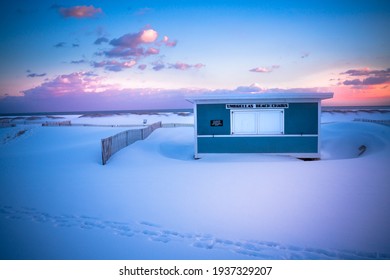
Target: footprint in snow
154	232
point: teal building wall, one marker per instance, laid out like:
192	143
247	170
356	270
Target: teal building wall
300	132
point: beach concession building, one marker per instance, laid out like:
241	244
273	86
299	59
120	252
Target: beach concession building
269	123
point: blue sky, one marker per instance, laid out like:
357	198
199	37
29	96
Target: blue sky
106	55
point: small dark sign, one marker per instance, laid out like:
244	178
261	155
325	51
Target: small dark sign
216	123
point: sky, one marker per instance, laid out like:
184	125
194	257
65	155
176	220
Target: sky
152	54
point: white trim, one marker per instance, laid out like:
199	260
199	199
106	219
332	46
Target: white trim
258	127
296	155
258	135
196	156
319	127
261	97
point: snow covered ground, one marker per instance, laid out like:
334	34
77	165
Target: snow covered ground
153	201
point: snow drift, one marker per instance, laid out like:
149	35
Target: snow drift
153	201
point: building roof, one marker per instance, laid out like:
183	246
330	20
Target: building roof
262	97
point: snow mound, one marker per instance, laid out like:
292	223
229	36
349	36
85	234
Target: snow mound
178	145
347	140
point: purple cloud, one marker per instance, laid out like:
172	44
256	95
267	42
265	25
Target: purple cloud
137	45
354	82
81	91
185	66
133	40
165	41
367	72
87	91
101	40
68	84
125	52
158	66
368	77
129	45
113	65
376	80
78	61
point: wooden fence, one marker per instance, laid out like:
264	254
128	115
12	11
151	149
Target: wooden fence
385	122
62	123
123	139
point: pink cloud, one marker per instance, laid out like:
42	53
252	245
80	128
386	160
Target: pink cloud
199	65
186	66
165	41
260	70
80	11
131	45
68	84
81	91
264	69
152	51
158	66
133	40
148	36
134	44
181	66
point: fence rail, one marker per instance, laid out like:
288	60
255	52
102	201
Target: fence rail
385	122
177	125
114	143
62	123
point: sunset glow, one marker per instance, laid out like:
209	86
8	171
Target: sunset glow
108	56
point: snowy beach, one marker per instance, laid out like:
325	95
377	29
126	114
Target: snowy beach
154	201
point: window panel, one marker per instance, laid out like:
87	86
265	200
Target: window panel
244	122
270	122
256	122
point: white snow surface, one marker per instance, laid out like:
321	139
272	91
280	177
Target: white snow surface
154	201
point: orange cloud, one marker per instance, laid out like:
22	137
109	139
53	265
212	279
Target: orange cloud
80	11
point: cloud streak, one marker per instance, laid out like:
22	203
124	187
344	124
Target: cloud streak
79	11
35	75
264	69
159	65
366	77
113	65
185	66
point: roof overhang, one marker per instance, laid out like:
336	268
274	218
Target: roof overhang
261	97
